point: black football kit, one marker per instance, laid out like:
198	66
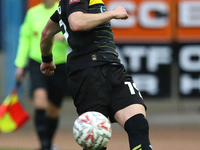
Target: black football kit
90	48
97	79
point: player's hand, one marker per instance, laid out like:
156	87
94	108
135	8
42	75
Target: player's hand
120	13
19	74
48	68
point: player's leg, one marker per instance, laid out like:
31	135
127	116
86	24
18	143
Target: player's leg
129	109
46	118
43	122
56	92
132	118
40	117
52	113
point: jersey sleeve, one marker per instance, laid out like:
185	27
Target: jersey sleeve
55	17
77	5
24	42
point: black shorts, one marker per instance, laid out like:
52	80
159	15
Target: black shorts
55	85
106	89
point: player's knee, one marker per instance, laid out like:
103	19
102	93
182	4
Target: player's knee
52	114
52	110
137	126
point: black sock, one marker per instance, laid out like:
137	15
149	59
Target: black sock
52	126
41	128
45	127
137	129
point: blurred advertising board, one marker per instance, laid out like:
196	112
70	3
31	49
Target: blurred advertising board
32	3
188	29
158	34
144	43
149	21
149	65
188	37
189	69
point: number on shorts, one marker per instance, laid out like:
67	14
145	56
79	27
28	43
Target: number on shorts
131	88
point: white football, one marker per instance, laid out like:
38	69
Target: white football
92	130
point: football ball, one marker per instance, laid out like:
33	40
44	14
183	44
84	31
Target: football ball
92	130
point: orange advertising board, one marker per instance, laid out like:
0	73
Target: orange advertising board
154	20
149	21
32	3
188	20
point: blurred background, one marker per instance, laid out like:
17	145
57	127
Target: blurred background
159	45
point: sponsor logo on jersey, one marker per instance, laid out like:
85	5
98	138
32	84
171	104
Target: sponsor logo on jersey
103	9
73	1
94	57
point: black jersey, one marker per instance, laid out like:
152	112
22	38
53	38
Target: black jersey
89	48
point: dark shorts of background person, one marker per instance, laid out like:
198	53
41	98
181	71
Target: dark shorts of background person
55	85
102	89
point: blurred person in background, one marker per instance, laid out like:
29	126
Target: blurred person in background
47	91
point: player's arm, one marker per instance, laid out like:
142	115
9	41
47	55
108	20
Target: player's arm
47	38
47	67
80	21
